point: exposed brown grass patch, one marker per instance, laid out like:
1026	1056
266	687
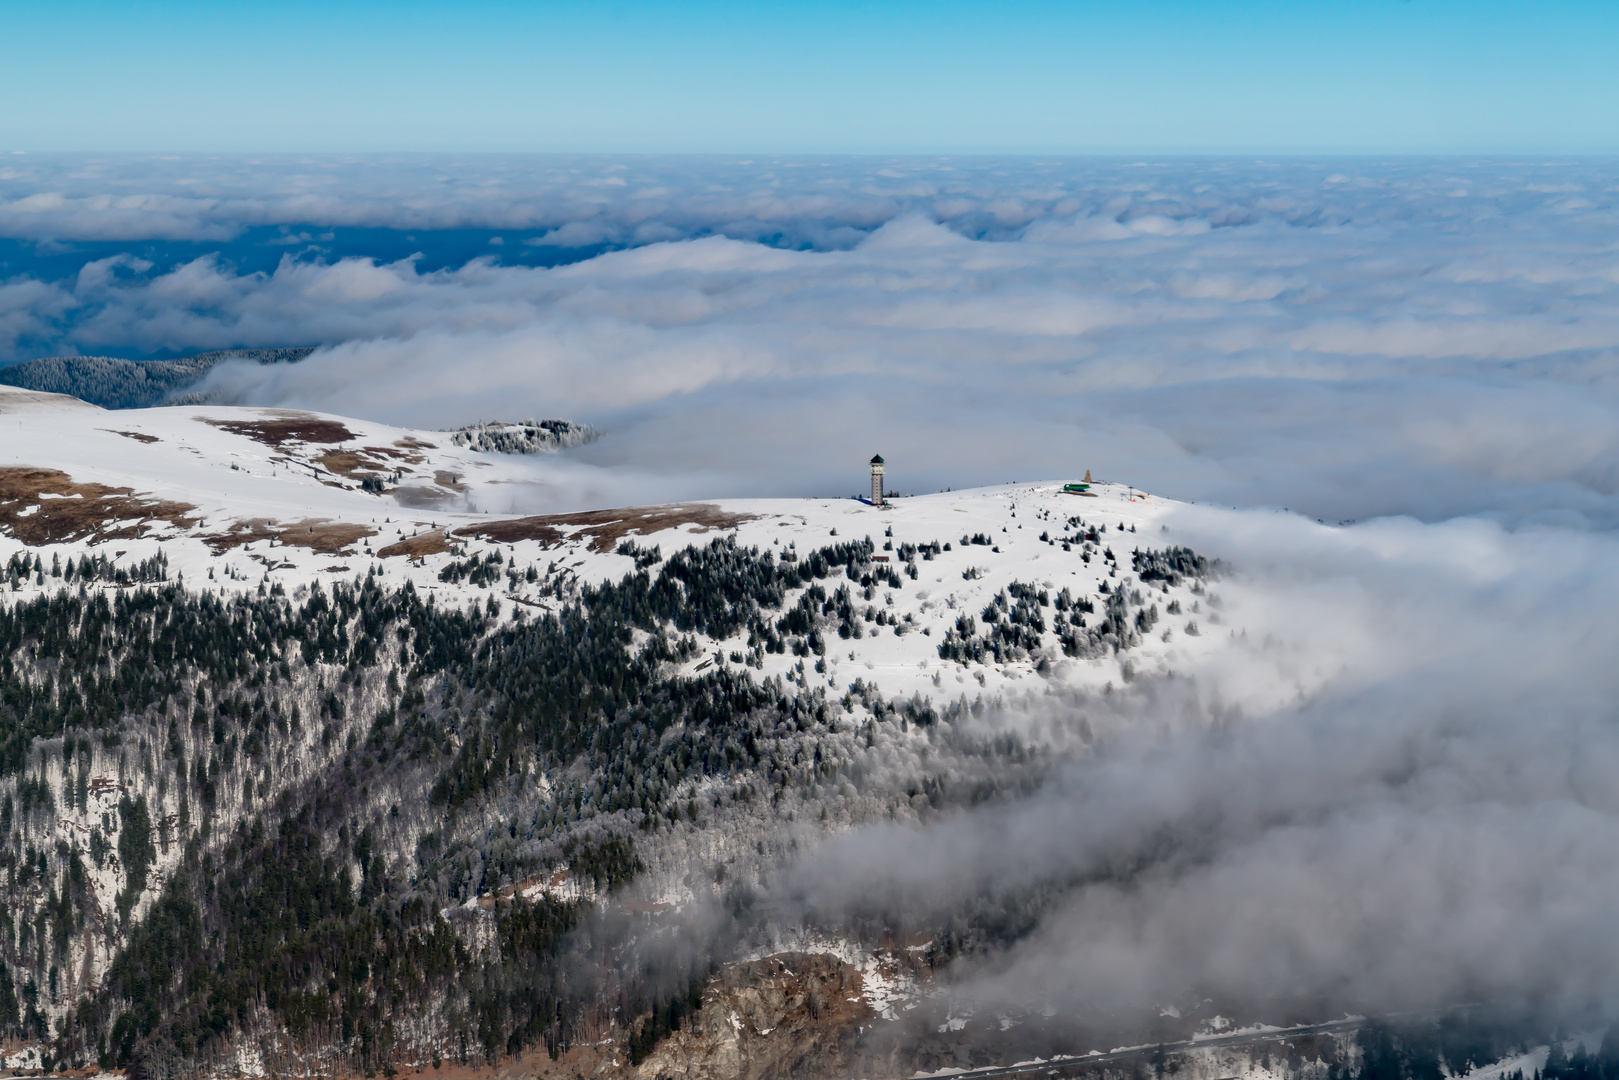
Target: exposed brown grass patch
401	455
321	535
421	497
411	442
306	429
432	542
138	436
606	528
348	462
449	480
343	462
45	506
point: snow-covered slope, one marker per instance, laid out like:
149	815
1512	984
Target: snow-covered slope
14	399
233	498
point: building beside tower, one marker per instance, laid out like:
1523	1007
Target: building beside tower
877	480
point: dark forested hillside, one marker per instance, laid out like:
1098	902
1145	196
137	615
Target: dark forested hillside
353	829
130	384
330	810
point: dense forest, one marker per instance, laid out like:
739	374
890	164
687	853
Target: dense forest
132	384
352	828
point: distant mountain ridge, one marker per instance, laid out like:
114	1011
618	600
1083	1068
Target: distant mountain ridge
131	384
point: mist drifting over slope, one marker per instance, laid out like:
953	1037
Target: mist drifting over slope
1394	792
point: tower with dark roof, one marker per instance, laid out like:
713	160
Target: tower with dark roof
877	480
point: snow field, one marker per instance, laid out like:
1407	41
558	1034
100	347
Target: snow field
231	478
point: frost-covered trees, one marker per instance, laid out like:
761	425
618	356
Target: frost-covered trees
525	436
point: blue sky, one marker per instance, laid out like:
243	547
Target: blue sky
947	77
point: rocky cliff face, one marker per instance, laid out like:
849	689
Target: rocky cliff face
794	1014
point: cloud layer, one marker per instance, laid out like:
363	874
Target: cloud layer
1346	338
1393	793
794	202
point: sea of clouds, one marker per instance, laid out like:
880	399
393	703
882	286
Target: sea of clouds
1346	338
1397	790
1392	790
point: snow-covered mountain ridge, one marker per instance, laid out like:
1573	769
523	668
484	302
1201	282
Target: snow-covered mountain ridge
843	633
235	497
495	782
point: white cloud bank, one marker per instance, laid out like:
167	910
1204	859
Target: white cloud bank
1344	338
1393	792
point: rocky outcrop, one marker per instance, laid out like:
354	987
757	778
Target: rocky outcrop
793	1014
